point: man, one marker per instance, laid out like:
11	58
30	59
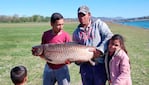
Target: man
52	72
18	75
92	32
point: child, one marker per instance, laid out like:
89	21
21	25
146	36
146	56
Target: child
18	75
56	72
117	62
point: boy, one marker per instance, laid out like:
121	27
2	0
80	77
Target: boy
56	73
18	75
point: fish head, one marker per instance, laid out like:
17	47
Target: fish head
37	50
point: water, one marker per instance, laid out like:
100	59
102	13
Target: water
142	24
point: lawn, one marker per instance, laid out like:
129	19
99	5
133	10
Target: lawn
16	41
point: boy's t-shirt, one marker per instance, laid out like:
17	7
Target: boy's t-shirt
49	37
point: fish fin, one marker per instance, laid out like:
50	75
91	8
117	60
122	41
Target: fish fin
92	62
49	60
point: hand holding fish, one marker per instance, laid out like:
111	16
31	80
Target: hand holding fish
97	53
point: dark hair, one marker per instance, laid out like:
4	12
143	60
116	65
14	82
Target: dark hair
18	74
56	16
121	39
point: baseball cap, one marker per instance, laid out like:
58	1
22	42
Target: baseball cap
83	9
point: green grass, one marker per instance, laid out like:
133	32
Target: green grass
16	41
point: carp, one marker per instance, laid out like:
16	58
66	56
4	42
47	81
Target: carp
64	53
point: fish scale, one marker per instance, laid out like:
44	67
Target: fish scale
60	53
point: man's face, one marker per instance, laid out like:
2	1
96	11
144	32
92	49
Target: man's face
84	18
58	25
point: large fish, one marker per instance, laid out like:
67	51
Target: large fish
63	53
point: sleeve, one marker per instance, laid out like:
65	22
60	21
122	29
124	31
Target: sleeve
43	39
68	38
74	36
124	72
106	34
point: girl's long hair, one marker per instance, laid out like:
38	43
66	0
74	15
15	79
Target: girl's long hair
121	39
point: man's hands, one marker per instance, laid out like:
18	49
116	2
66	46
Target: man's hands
97	53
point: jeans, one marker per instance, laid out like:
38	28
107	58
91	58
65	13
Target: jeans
51	76
93	75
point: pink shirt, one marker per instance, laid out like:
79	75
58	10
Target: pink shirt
49	37
119	67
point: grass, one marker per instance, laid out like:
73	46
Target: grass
16	41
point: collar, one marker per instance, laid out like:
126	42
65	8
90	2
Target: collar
60	32
85	29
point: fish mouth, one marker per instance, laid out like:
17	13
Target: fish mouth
35	51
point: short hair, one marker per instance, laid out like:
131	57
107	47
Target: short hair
18	73
56	16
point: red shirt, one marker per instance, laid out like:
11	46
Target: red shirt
49	37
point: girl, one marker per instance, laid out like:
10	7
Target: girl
117	62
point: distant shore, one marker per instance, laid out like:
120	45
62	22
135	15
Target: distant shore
137	23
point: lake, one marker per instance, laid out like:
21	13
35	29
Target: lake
142	24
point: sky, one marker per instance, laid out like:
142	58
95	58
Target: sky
68	8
